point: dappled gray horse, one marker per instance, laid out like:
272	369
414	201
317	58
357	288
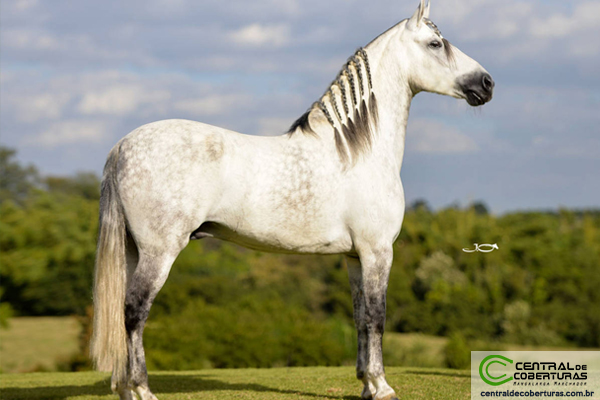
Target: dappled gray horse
331	185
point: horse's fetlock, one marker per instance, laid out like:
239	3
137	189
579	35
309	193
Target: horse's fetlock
369	391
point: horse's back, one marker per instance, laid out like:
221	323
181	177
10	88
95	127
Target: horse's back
188	137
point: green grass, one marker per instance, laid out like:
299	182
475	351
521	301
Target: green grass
37	343
276	383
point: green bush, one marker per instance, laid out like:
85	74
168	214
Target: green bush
251	332
457	352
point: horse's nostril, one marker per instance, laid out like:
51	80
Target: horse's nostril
487	82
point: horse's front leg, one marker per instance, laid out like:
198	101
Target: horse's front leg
358	302
368	281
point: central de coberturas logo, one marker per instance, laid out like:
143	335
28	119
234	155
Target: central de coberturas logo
531	371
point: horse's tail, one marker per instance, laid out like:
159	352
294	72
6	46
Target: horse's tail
108	347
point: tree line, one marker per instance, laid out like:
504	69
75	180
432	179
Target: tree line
226	306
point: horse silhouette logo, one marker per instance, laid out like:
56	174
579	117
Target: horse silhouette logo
478	247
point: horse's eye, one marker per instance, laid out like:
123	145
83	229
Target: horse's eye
435	44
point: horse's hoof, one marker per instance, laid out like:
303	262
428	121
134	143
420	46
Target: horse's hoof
127	394
144	393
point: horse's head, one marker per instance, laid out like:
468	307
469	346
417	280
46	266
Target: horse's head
437	66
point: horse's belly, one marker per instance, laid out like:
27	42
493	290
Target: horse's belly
279	242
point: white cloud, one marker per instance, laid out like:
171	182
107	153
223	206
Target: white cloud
120	99
67	47
30	40
212	104
477	21
523	30
456	12
509	20
40	106
262	35
585	16
291	7
425	136
24	5
551	147
68	132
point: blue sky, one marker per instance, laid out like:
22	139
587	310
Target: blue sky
77	76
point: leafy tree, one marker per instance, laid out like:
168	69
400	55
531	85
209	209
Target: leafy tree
419	204
480	208
48	249
16	182
83	184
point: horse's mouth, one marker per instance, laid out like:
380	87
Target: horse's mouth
474	99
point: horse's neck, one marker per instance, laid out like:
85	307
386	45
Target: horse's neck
365	110
394	99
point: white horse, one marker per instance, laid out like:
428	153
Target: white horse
331	185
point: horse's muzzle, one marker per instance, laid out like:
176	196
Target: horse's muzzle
477	87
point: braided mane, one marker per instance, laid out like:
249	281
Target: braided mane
355	122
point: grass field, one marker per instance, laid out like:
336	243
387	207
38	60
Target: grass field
37	343
276	383
414	349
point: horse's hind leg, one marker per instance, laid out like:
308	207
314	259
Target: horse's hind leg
143	285
120	384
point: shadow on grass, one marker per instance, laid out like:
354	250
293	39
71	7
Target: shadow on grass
168	384
451	374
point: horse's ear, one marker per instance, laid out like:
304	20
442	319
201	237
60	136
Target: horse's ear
427	8
415	21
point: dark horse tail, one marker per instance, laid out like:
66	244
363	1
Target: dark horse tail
108	347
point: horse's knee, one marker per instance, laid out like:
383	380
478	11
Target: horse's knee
375	312
144	284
